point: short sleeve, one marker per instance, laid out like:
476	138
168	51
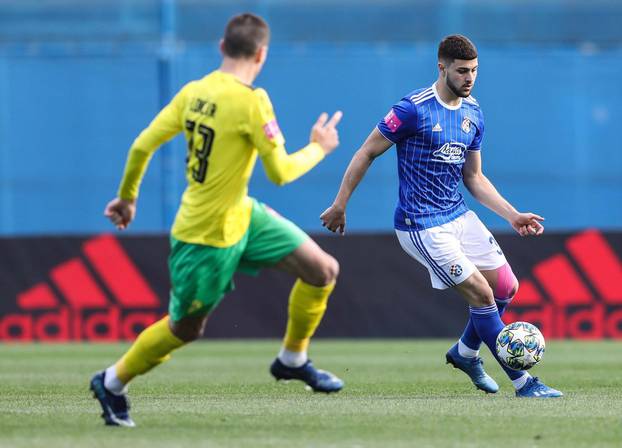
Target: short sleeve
476	144
265	132
400	123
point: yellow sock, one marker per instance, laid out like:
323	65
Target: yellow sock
152	347
307	304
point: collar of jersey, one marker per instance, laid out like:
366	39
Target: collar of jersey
235	78
442	103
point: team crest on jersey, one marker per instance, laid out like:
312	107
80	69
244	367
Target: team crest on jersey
466	125
455	270
451	152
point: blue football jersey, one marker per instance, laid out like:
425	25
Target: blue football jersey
431	139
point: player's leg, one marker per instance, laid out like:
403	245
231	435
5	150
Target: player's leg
438	249
278	243
487	322
316	273
484	314
504	285
197	289
153	346
482	249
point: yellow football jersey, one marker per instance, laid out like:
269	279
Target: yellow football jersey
226	124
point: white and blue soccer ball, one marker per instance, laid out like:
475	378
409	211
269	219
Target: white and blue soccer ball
520	345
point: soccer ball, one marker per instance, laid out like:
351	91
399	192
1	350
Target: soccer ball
520	345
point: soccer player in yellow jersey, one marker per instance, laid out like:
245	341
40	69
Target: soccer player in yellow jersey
219	229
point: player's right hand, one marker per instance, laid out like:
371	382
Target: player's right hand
527	224
334	219
121	212
325	132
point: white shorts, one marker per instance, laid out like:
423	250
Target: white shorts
454	250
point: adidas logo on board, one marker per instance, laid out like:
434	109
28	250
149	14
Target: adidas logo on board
85	313
577	294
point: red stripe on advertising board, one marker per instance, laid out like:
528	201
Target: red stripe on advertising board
599	262
77	285
527	294
39	296
119	273
561	282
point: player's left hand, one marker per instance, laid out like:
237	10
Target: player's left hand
527	224
121	212
334	219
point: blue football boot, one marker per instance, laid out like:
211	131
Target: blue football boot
116	407
534	388
473	367
316	379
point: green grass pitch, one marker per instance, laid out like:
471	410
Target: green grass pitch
399	393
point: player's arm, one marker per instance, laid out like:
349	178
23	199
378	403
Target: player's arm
282	168
485	192
400	123
165	126
334	218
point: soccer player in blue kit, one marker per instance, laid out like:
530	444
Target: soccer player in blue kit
438	133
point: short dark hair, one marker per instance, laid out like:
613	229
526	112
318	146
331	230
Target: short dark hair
244	35
456	46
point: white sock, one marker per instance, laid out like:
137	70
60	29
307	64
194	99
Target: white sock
292	359
113	383
466	351
520	382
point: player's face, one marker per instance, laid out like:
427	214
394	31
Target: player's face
460	76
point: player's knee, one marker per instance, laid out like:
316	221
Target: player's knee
476	291
332	270
482	299
189	330
329	271
187	334
192	335
325	272
514	289
507	284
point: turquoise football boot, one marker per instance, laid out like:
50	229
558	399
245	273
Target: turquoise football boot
534	388
473	367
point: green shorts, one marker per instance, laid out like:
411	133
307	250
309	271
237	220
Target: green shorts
201	275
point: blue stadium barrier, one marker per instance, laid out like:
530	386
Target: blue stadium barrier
79	81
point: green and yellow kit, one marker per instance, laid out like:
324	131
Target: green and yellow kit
226	124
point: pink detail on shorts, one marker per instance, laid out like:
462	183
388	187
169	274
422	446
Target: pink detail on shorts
271	129
506	282
392	122
273	212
